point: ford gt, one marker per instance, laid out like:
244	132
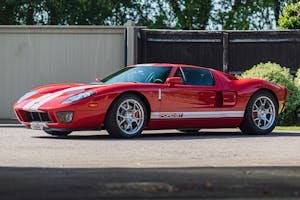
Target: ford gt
154	96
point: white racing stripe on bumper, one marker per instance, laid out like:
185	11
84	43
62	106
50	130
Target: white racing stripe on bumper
196	115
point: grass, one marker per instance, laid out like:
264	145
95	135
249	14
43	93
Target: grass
288	128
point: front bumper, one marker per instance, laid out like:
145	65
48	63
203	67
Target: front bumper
82	119
43	126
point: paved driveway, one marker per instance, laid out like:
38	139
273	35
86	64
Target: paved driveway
89	164
168	148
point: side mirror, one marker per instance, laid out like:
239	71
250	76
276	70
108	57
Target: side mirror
98	79
174	80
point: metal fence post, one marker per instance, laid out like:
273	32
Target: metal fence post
225	52
129	48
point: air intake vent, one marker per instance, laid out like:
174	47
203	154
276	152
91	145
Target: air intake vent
37	116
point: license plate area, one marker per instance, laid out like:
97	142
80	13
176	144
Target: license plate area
37	125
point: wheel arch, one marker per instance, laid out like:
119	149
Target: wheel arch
266	90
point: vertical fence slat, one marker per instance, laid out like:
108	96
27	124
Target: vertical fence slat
225	52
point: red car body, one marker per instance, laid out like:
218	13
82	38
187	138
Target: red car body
169	105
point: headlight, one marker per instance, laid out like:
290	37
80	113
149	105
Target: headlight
79	96
27	95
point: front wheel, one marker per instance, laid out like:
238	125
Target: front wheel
126	117
261	114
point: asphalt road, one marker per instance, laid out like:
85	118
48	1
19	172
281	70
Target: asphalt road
159	164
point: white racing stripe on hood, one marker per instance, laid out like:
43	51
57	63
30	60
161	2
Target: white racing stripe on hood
36	103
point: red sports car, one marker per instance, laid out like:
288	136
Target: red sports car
154	96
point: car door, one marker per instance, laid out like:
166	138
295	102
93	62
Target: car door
184	105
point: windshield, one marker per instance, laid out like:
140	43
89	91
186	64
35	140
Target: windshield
140	74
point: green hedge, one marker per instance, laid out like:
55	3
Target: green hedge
275	73
297	79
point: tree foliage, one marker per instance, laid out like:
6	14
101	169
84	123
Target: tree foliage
290	18
153	14
15	12
70	12
175	14
247	14
275	73
78	12
191	14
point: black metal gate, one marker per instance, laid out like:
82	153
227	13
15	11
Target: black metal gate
230	51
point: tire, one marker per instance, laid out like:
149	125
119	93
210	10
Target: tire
127	117
58	133
189	130
261	114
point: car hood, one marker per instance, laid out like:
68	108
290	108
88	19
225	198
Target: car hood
54	93
73	88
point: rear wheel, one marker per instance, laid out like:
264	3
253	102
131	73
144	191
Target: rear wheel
261	114
126	117
58	133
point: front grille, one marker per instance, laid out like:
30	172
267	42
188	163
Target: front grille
37	116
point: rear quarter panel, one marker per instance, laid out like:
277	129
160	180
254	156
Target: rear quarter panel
247	87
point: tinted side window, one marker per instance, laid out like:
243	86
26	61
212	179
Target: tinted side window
196	76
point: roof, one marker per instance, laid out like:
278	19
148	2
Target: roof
167	65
